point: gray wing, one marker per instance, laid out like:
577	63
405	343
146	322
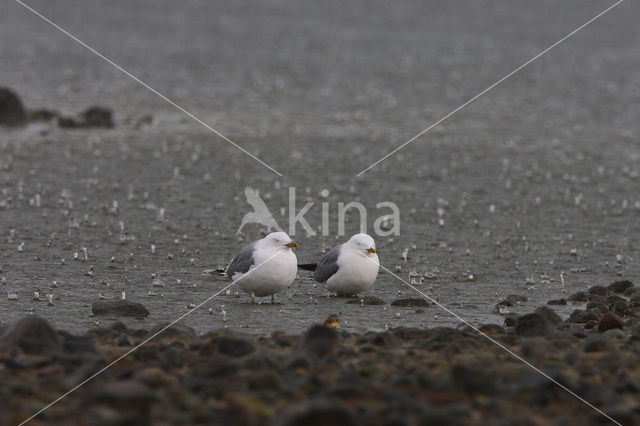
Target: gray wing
328	265
243	261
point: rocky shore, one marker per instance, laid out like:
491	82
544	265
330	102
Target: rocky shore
330	376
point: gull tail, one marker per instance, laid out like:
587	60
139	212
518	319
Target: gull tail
308	266
217	271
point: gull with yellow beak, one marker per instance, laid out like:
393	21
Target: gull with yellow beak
349	268
265	267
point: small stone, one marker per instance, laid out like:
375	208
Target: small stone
510	320
549	314
412	302
119	308
598	306
620	286
367	300
557	302
580	296
321	341
534	324
609	321
12	112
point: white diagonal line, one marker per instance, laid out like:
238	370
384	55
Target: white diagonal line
492	86
151	89
499	344
138	345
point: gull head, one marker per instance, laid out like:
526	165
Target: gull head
281	240
363	243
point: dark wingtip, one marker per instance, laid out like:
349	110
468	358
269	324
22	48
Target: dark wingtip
308	266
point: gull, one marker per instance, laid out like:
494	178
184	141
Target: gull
349	268
265	267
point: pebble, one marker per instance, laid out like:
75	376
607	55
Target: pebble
580	296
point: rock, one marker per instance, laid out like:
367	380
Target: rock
549	314
598	306
620	308
411	302
12	112
177	331
319	414
581	316
613	299
557	302
580	296
597	290
76	344
491	329
534	324
513	298
45	115
620	286
472	380
234	347
321	341
609	321
596	343
630	292
33	335
367	300
510	320
119	308
500	306
97	116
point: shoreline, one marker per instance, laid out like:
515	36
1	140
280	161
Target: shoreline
331	376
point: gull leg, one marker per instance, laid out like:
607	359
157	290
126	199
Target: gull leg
273	299
253	298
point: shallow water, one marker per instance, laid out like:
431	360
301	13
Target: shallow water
536	180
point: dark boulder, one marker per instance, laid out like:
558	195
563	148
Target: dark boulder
620	286
97	116
367	300
321	341
596	343
534	324
234	347
412	302
12	112
119	308
609	321
580	296
581	316
557	302
33	335
549	314
597	290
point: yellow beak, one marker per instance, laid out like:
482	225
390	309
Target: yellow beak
371	250
292	244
